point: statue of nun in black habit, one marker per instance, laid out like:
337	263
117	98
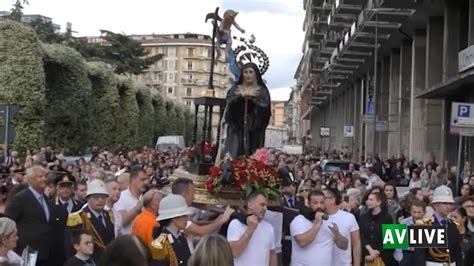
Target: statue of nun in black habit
247	114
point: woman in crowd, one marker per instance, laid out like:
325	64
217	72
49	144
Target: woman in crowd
127	250
8	241
371	235
3	197
394	208
459	216
415	181
303	191
212	250
465	191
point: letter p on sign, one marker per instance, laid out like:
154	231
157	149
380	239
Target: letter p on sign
464	110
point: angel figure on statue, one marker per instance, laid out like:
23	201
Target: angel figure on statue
224	36
248	113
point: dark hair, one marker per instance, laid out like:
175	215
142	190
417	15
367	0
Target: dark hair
76	235
335	193
252	196
395	194
135	170
127	250
80	182
463	213
180	185
383	200
418	203
315	193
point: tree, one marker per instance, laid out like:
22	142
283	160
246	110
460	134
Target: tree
17	10
126	54
46	32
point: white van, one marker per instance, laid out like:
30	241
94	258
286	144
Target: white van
165	142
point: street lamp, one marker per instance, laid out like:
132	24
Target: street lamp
375	82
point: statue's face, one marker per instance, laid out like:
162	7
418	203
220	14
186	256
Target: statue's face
249	75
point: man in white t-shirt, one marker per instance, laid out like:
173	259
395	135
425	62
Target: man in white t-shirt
129	205
348	228
253	242
185	188
313	235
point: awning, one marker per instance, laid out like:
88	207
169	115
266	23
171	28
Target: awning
448	87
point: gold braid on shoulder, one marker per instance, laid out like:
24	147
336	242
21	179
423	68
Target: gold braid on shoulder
162	249
438	254
90	227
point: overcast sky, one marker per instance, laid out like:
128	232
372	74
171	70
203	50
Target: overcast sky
277	24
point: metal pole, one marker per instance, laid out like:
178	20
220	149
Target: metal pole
7	121
374	146
361	135
460	140
330	119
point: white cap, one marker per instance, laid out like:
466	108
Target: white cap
443	194
172	206
96	186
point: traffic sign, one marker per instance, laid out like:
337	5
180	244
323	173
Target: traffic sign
381	126
348	131
370	108
461	115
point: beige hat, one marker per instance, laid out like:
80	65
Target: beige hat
172	206
96	187
443	194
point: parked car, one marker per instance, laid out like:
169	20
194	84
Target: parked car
165	143
329	167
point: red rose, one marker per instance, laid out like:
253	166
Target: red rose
214	171
239	182
254	179
210	186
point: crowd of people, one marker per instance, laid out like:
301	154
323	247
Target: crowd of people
110	208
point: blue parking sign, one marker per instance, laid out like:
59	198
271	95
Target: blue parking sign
464	110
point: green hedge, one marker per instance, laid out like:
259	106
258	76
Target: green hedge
147	116
68	102
22	82
104	104
68	96
127	118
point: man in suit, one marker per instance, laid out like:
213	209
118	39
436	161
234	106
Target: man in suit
61	206
442	203
30	210
292	206
94	218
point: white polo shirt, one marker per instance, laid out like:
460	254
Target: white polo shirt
347	224
257	252
318	252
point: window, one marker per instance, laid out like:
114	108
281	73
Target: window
190	51
172	51
160	77
209	53
189	91
190	65
171	77
170	90
165	65
171	65
188	103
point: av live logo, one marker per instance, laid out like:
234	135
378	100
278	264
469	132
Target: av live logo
401	236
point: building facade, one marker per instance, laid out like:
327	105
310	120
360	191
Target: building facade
183	73
401	60
278	118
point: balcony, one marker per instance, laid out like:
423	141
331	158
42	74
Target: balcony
185	81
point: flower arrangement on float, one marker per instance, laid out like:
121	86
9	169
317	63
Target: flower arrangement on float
248	173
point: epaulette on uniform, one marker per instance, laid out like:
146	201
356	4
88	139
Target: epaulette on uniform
161	248
74	219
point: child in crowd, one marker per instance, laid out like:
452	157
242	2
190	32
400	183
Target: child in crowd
84	246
